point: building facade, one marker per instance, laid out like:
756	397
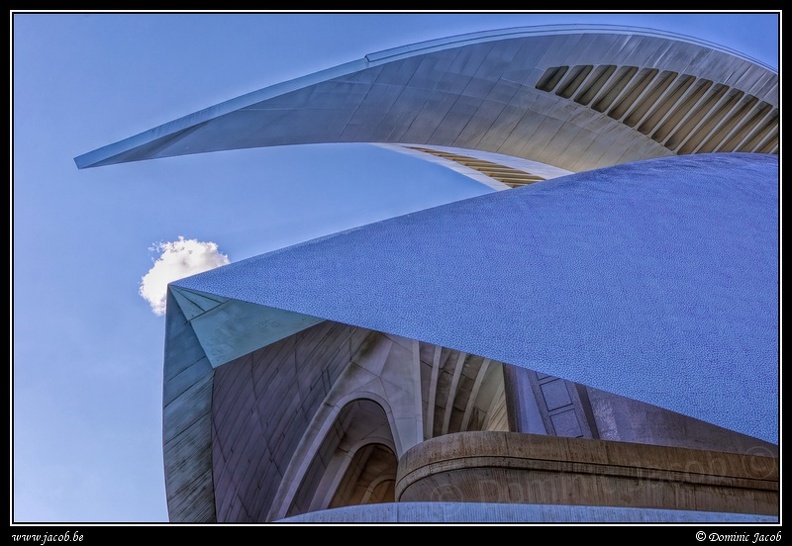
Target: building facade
597	342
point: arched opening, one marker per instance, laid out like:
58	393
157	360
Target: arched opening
369	479
355	464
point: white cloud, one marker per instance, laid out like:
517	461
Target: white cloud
178	259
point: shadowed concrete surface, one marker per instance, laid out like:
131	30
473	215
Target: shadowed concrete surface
539	469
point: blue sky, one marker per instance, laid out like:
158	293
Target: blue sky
86	348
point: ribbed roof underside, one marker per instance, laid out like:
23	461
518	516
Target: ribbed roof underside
685	114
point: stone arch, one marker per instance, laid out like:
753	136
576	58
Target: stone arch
356	448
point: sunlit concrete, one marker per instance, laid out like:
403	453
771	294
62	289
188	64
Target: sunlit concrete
574	97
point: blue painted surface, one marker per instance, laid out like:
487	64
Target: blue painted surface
656	280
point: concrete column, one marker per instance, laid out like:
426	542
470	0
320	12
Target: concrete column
521	403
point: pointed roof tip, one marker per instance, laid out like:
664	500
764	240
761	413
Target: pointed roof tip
81	163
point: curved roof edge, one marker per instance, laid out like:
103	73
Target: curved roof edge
522	32
95	157
105	154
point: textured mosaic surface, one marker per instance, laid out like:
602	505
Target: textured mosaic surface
656	280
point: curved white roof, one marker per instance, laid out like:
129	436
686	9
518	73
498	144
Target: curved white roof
574	97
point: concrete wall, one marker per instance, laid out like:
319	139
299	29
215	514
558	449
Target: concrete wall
535	469
262	405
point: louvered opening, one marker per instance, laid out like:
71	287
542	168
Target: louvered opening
764	129
551	77
661	110
747	128
683	110
714	120
571	84
622	79
698	114
507	175
730	124
601	76
771	145
639	84
652	98
684	114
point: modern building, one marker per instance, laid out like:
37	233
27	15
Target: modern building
598	342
